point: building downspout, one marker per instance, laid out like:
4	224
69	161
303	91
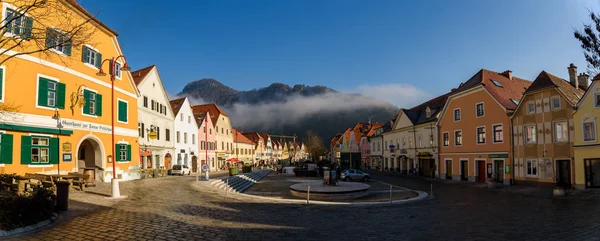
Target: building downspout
512	150
437	128
415	138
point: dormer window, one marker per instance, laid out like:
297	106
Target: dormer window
496	83
427	112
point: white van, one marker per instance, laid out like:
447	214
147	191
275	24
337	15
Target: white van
288	171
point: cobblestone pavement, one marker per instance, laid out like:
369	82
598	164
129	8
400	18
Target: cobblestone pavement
172	208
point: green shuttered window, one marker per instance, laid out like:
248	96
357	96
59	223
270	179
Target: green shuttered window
39	150
93	103
58	40
6	148
123	152
91	56
122	108
51	93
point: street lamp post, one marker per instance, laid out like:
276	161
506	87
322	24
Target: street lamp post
59	126
112	62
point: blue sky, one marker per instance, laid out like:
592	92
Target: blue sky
399	51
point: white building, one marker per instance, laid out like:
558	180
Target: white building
155	120
186	134
268	147
224	138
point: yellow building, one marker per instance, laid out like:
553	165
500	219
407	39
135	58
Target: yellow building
587	144
243	147
62	117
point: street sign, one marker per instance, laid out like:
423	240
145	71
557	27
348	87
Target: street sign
204	167
498	155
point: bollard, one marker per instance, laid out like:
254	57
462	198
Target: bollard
62	195
227	186
308	196
390	194
431	192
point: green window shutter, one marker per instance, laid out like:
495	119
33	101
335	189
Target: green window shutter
50	38
43	92
54	151
1	80
60	95
67	48
98	105
117	156
6	153
98	60
128	152
86	107
84	53
122	111
28	27
25	149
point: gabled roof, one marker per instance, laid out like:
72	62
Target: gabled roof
75	4
336	138
141	74
511	88
176	105
199	117
253	136
212	108
373	128
359	129
347	134
240	138
418	114
590	89
546	80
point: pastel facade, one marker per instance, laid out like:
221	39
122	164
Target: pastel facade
259	150
224	136
474	128
32	141
413	139
543	131
587	143
243	147
377	148
186	134
154	116
206	140
268	147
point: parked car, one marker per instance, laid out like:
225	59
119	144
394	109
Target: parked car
353	174
180	170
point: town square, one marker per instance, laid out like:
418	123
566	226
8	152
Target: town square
299	120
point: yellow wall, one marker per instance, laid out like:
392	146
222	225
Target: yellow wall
21	85
585	150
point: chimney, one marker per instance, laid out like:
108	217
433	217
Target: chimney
583	81
573	75
507	74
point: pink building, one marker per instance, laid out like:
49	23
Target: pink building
206	140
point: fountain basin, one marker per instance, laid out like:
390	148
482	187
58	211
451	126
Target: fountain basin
318	191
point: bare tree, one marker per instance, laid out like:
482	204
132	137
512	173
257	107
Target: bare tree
39	26
590	43
8	111
314	145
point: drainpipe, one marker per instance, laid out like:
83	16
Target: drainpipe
415	138
437	128
512	149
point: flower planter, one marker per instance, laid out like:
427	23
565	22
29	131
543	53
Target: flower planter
558	192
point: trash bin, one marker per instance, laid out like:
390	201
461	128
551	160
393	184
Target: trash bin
62	195
233	171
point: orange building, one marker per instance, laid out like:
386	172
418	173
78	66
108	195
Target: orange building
474	127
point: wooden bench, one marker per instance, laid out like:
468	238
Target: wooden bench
35	181
79	179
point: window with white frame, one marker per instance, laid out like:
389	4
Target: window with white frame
420	142
561	133
555	103
193	138
185	138
40	150
531	168
18	24
456	114
589	129
178	137
457	138
92	103
117	69
529	134
122	152
530	107
51	93
479	108
481	135
181	117
446	139
498	133
91	56
56	39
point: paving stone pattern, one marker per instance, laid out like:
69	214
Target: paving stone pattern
173	208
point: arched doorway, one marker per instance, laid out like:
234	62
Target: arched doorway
89	157
194	164
168	161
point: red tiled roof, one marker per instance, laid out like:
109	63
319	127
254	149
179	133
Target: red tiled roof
176	105
374	127
255	137
509	89
265	137
240	138
547	80
212	108
140	74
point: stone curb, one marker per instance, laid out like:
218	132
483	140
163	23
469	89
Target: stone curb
422	195
29	228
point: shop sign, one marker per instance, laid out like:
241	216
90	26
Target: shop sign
67	147
498	155
82	125
152	135
392	148
67	157
220	154
506	169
